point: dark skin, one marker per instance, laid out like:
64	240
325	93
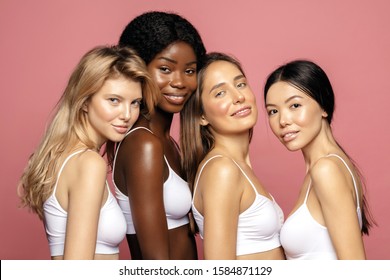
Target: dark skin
141	169
148	174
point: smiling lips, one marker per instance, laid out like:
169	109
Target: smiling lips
175	99
242	112
122	129
289	136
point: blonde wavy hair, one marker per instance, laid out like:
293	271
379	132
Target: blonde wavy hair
68	126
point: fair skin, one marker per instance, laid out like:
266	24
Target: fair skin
300	123
223	192
81	189
174	70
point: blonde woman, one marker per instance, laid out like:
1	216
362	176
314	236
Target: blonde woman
64	182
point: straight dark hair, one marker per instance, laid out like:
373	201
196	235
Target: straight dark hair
311	79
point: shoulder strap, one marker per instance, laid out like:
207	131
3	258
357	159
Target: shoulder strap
246	176
239	167
63	165
353	178
140	127
117	148
200	172
307	192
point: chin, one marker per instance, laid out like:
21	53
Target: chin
116	138
292	148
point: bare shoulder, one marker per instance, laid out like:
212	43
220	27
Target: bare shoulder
90	168
221	173
325	166
220	166
91	160
141	141
328	175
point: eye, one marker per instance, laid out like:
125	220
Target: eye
272	112
113	100
295	106
241	85
165	69
136	103
190	71
220	93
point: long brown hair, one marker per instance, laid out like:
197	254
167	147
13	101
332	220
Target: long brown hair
197	140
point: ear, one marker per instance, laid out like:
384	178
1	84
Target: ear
203	121
85	107
324	114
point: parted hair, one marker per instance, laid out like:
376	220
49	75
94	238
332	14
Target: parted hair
68	125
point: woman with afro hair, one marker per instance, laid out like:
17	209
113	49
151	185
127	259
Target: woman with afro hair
150	184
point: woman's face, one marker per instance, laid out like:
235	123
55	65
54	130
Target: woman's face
112	111
295	118
228	102
174	71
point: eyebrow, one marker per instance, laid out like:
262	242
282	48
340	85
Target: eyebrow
221	84
286	101
174	61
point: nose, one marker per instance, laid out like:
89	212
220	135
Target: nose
126	113
238	97
177	80
284	119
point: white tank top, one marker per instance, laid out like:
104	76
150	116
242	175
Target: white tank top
111	227
258	226
302	237
176	192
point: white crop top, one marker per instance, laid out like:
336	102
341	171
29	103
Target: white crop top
303	238
176	192
111	227
258	226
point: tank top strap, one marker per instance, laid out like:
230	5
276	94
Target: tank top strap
137	128
246	176
63	165
201	170
239	167
353	178
117	148
307	192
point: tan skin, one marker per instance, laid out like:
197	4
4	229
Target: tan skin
141	169
332	197
223	192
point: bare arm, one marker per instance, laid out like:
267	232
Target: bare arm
144	177
85	194
334	189
220	191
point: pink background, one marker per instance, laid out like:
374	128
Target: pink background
41	41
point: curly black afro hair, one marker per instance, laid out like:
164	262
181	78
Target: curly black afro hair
151	32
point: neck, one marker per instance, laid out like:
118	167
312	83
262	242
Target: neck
322	145
160	122
235	147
